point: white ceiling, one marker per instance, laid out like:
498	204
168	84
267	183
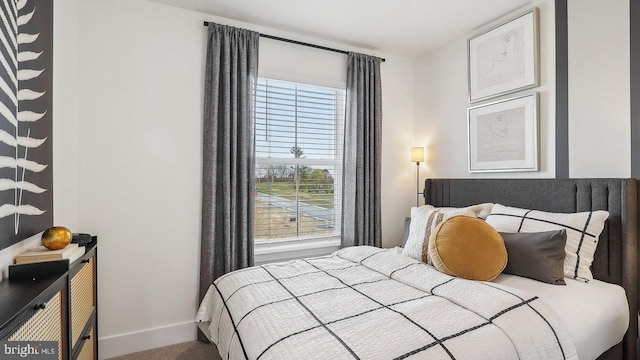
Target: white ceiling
403	27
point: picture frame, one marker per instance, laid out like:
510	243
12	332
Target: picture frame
503	135
505	58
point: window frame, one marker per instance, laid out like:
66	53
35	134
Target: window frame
278	249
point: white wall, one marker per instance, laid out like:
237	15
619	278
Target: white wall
127	142
65	114
599	118
442	100
140	112
599	93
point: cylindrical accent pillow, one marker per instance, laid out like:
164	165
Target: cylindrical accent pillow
467	248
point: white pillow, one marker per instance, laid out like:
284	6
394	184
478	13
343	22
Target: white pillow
481	210
423	220
583	232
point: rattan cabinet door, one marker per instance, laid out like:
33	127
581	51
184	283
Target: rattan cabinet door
45	324
83	299
88	351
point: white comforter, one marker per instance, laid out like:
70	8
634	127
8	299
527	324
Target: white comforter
368	303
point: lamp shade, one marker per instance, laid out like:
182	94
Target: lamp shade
417	154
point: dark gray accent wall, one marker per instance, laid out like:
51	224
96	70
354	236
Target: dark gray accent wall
634	49
30	211
562	91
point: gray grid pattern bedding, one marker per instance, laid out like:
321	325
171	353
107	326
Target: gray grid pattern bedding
368	303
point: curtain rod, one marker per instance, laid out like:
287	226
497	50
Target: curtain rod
206	23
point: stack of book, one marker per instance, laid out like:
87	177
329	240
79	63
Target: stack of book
41	253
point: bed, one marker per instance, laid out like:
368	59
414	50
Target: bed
324	307
616	258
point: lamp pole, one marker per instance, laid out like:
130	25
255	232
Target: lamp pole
417	155
418	183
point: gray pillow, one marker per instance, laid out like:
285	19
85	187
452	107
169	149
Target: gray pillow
538	256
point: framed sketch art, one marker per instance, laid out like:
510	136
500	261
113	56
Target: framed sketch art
504	59
503	136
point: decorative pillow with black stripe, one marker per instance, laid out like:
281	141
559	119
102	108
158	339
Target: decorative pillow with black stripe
583	231
424	219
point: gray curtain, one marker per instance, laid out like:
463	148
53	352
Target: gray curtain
228	158
361	219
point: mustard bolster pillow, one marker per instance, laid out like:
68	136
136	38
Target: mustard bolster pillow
467	248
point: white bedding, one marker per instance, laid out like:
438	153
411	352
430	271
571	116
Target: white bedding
368	303
595	313
606	305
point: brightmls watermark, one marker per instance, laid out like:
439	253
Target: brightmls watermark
26	350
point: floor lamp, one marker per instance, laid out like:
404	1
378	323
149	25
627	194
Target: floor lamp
417	156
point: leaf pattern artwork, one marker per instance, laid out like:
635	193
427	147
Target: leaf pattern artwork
21	110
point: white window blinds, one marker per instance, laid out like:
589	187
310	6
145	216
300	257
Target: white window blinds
298	145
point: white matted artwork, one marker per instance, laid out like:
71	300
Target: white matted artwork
503	136
504	59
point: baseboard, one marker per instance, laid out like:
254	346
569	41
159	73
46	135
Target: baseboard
128	343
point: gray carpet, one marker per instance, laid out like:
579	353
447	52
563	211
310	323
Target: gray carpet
191	350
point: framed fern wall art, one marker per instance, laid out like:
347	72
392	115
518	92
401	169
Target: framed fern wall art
26	177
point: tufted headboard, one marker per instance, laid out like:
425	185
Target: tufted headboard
616	258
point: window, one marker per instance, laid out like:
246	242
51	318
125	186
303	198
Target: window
298	145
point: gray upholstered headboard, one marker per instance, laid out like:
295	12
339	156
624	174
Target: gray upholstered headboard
616	258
